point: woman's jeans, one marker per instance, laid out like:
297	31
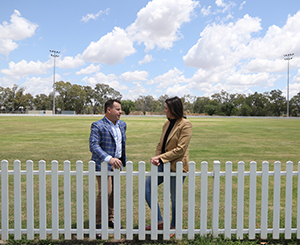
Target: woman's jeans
160	180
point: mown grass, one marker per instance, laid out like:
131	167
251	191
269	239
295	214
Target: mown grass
214	138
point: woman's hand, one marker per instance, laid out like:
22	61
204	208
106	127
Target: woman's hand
155	160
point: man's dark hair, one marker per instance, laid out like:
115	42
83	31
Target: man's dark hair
175	106
110	104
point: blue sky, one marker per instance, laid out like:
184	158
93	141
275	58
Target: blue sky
156	47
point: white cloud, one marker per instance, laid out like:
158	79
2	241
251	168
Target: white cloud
220	45
70	62
88	70
110	49
39	85
134	92
134	76
148	58
159	22
19	29
24	68
205	11
178	90
94	16
168	79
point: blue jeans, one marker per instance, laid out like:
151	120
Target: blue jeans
160	180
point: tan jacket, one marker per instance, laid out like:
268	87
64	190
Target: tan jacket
177	145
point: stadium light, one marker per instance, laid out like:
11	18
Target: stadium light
288	57
54	54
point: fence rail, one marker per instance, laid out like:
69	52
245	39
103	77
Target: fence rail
257	193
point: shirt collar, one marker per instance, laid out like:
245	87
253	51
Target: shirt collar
111	123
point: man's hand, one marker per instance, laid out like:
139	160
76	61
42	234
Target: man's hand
116	163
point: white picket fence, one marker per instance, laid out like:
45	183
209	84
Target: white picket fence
193	179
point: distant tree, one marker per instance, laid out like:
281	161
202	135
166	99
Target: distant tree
128	106
200	103
295	105
211	108
162	100
103	92
42	102
71	97
277	102
147	103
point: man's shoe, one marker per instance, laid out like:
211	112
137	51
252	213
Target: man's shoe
159	227
111	224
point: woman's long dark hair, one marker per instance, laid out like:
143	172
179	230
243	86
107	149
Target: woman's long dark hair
175	106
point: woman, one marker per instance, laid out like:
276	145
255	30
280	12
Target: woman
172	147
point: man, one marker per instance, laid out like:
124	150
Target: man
107	143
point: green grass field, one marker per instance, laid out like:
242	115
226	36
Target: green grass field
213	138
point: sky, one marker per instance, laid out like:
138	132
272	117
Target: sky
158	47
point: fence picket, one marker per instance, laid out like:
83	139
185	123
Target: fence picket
54	200
216	198
252	200
228	199
67	199
191	201
276	200
117	204
79	199
179	197
30	200
17	200
154	211
298	203
288	200
240	200
203	200
42	199
264	200
166	200
129	200
142	223
92	201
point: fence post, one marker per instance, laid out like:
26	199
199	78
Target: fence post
288	200
252	200
203	201
276	200
142	216
240	200
55	200
30	200
79	198
216	199
228	199
17	200
264	200
129	200
191	201
42	198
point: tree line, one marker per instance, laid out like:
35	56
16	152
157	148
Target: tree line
88	100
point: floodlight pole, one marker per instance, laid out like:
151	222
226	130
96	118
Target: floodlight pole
54	54
288	57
